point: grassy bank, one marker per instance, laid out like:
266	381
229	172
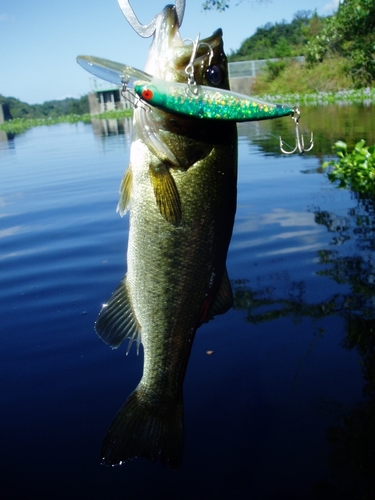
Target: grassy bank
324	83
19	125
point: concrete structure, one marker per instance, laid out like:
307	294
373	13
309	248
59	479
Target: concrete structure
4	113
102	100
243	73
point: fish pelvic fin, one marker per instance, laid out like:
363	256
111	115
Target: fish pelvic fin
222	302
166	193
117	321
145	428
125	192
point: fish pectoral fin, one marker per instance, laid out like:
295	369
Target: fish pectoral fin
223	300
117	321
166	193
125	192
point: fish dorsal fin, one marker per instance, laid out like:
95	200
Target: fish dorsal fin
223	300
117	322
166	193
125	192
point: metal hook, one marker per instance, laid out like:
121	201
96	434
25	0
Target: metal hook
147	30
300	143
137	101
189	70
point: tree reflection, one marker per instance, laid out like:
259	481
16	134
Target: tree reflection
353	438
328	123
349	262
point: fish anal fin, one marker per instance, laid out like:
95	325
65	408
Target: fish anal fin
143	428
166	193
125	192
117	321
222	301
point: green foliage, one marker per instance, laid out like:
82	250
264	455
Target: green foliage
351	34
355	170
278	40
274	69
285	77
19	125
50	109
219	5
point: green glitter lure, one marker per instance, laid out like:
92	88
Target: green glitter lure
196	101
205	102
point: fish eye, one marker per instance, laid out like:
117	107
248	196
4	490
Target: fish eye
214	74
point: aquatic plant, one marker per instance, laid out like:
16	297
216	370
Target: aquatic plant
365	96
354	170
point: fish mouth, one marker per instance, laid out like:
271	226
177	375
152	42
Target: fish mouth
170	55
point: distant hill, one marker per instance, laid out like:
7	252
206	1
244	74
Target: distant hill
280	39
53	109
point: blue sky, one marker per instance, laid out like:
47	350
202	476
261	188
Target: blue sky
40	39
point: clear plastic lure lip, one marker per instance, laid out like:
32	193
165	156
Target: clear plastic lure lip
111	71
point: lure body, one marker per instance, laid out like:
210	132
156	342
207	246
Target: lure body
200	101
197	101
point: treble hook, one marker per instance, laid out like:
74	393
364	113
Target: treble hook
189	70
300	143
147	30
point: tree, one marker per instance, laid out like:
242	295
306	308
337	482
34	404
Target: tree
277	40
350	33
219	5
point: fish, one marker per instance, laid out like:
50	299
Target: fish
180	189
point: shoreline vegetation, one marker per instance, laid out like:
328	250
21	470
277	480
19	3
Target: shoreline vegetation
19	125
364	96
338	69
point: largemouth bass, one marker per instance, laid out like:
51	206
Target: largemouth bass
181	188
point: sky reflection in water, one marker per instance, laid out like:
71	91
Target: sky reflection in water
286	360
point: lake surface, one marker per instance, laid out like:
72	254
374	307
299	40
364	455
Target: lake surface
284	406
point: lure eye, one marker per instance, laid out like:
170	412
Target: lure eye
147	94
214	74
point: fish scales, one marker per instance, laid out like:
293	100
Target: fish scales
173	264
181	187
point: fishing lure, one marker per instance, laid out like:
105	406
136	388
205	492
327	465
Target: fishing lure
190	99
207	102
196	101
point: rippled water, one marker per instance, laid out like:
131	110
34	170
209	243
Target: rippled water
282	370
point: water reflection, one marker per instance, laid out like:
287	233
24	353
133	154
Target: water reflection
353	437
104	127
6	140
328	123
260	406
349	262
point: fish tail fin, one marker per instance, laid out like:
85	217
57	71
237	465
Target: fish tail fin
145	429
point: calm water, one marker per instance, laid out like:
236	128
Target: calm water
283	406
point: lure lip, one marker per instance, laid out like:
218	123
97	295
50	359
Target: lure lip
112	71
